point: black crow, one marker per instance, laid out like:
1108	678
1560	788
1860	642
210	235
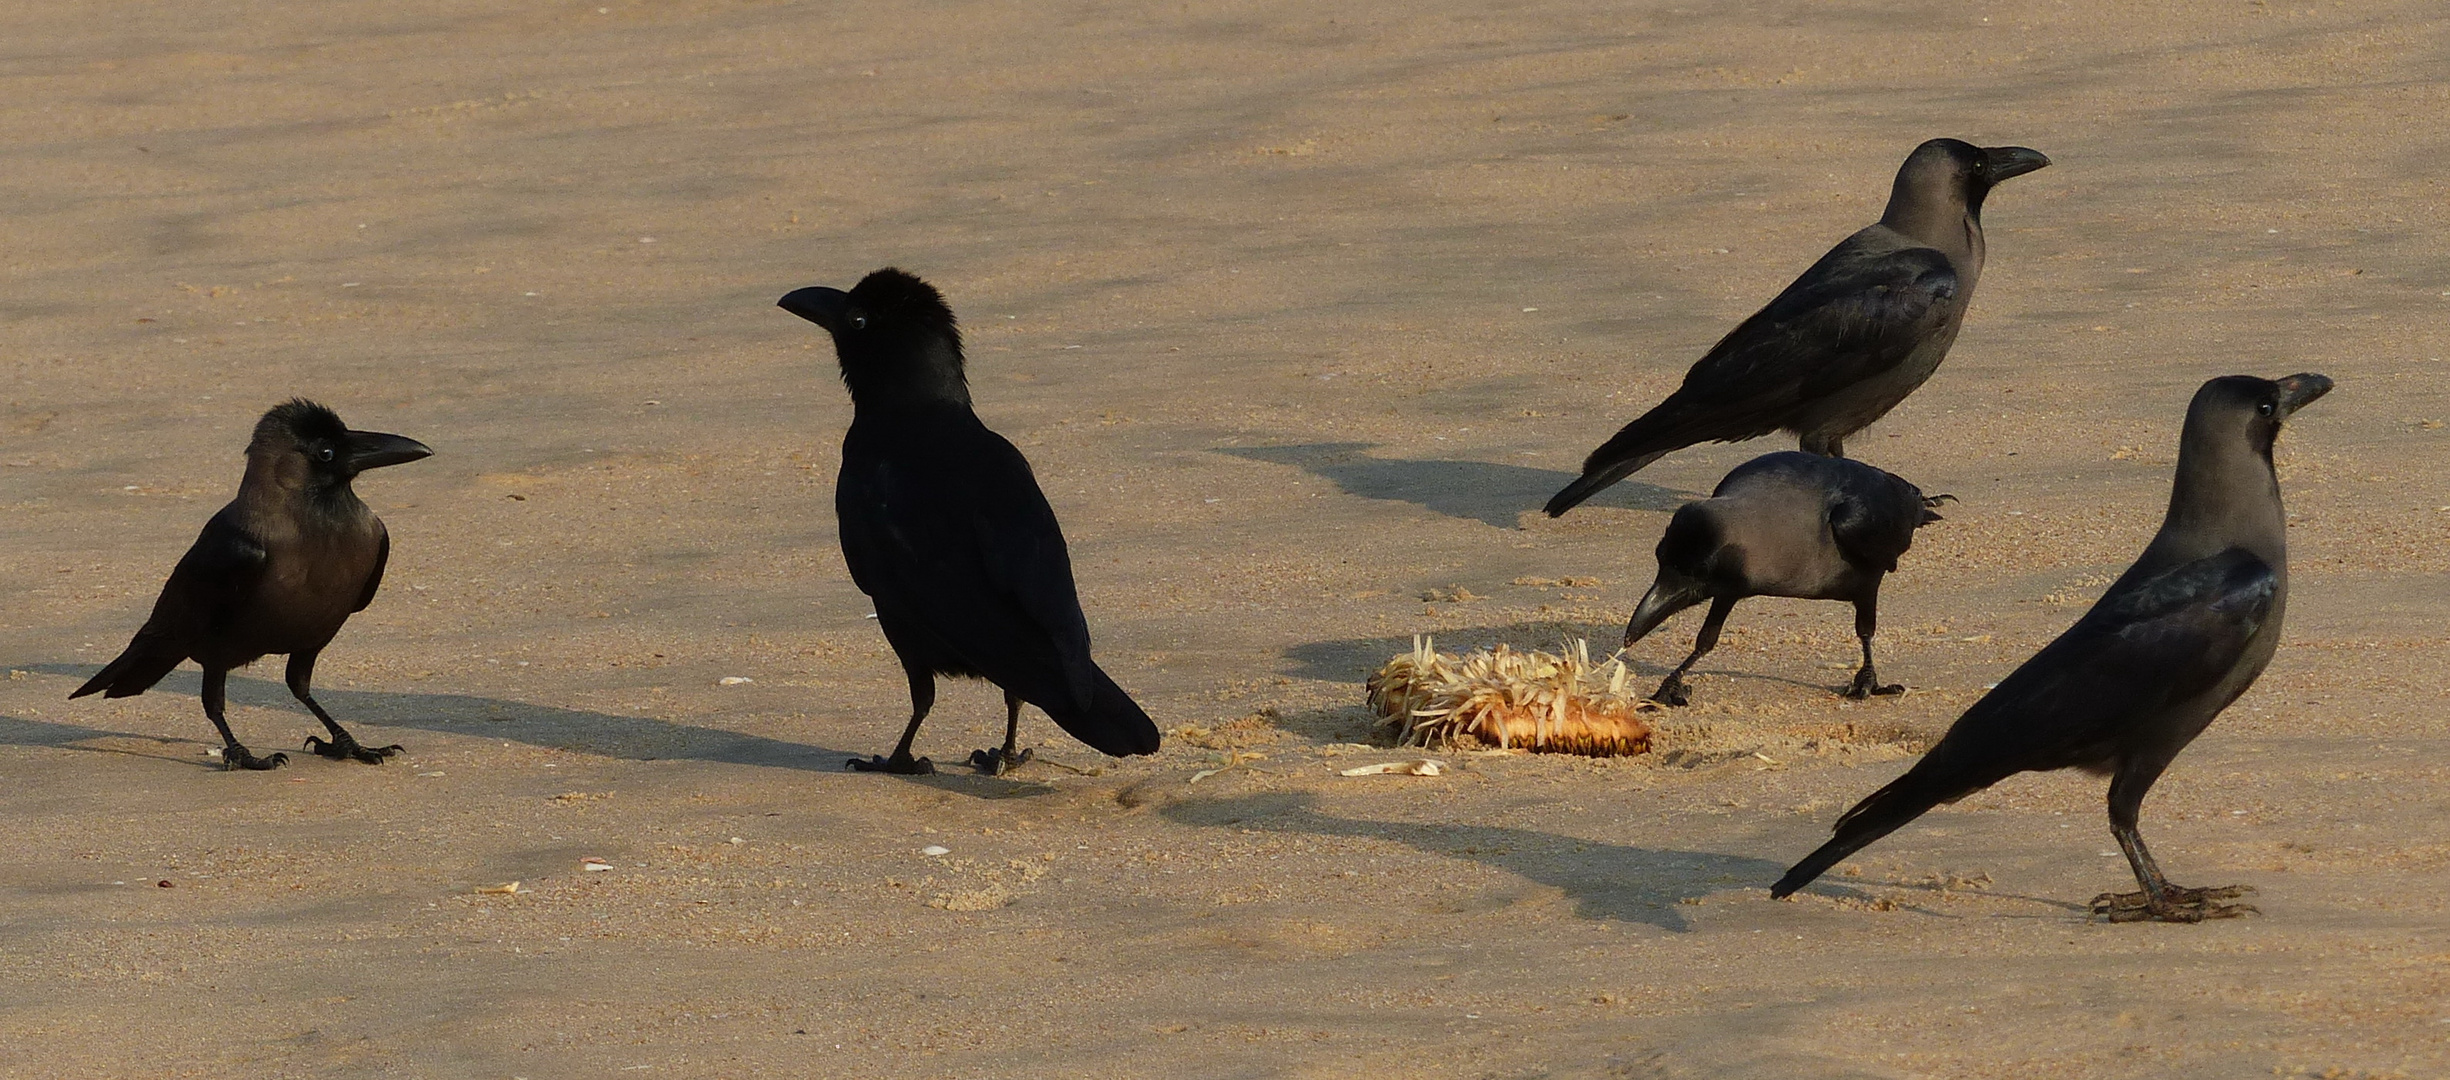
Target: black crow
944	527
2175	639
1848	340
1784	524
278	570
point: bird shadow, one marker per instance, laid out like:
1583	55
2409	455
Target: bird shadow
1493	494
19	731
1605	881
632	738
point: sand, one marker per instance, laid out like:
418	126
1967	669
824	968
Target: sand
1299	311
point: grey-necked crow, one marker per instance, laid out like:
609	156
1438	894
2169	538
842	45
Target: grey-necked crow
278	570
1784	524
2175	639
1848	340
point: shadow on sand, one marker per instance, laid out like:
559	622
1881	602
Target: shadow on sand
1481	491
633	738
1605	881
19	731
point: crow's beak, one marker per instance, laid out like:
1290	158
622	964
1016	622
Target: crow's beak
2298	391
1667	596
374	449
2003	162
818	305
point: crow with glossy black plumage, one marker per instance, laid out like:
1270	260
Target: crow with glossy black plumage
1784	524
943	525
1859	331
2171	643
278	570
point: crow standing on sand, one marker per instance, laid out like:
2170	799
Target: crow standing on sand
1784	524
1848	340
2175	639
278	570
944	527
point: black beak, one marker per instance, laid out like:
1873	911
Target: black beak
2003	162
373	450
2298	391
818	305
1666	597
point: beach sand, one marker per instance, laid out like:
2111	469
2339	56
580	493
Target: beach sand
1299	311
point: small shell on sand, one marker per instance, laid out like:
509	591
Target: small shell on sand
1511	700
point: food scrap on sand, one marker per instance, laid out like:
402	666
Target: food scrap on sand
1423	767
1510	700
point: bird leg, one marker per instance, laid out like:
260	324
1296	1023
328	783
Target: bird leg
343	746
1824	445
922	698
1867	681
2159	901
995	763
233	755
1673	691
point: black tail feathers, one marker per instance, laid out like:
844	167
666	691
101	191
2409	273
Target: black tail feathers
1883	812
1598	477
133	673
1668	427
1113	724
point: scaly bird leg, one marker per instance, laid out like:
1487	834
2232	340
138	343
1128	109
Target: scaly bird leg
922	698
1867	681
994	763
343	746
1672	690
2158	901
233	755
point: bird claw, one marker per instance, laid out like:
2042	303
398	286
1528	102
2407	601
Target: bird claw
1933	501
898	764
1673	692
2176	904
1867	684
999	762
234	757
346	748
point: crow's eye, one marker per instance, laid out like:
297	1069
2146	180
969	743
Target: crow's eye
2263	409
858	321
324	454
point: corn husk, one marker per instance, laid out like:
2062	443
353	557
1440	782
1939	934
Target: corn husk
1561	704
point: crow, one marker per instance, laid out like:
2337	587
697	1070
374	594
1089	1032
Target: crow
1848	340
1784	524
944	526
2171	643
278	570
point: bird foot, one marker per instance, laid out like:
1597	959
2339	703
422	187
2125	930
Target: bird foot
899	764
235	757
999	762
1673	692
346	748
2176	904
1867	684
1934	501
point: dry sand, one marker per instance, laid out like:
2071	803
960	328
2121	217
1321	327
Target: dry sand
1298	309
